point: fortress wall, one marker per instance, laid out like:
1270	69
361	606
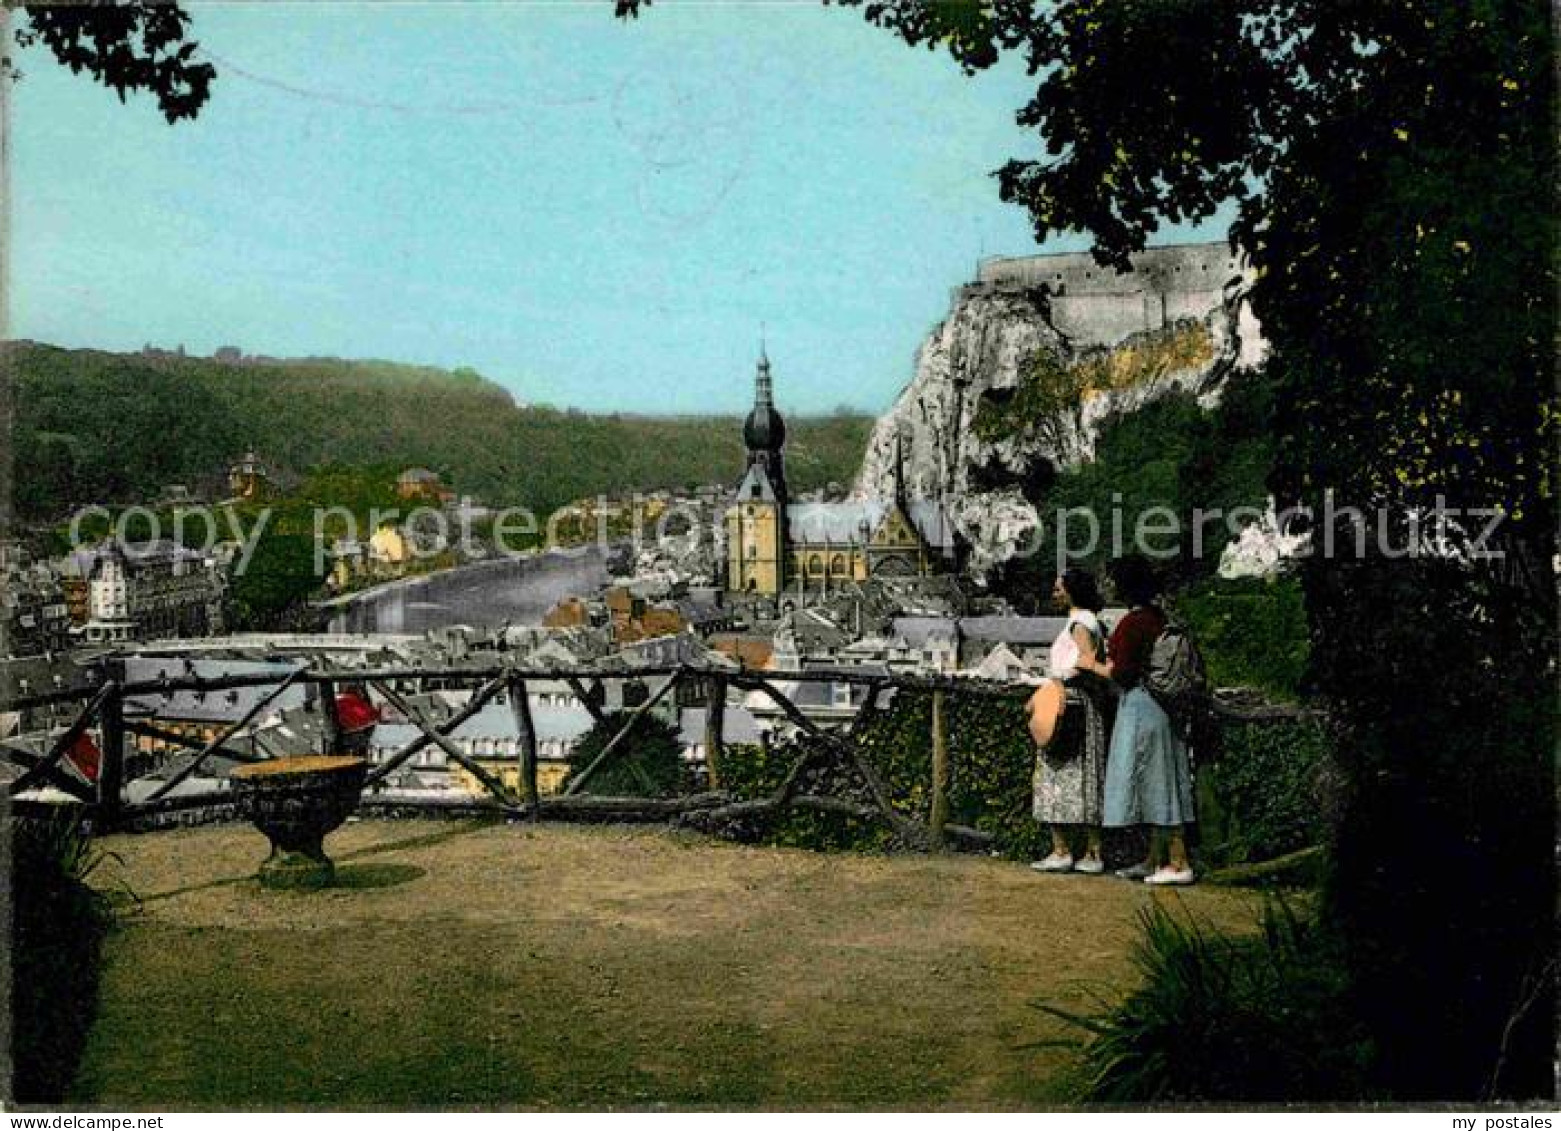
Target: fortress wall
1105	318
1199	267
1192	304
1095	305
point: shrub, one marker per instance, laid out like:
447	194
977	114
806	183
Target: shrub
1171	453
57	941
1222	1019
1259	800
648	763
1444	864
750	772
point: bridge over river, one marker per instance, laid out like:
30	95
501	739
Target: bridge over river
517	590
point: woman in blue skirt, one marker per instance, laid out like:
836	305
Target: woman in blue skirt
1148	774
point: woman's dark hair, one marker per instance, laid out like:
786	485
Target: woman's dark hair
1082	589
1135	578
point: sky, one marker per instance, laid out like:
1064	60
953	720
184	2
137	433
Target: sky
591	213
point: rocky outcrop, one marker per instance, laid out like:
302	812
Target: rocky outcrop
968	422
1263	549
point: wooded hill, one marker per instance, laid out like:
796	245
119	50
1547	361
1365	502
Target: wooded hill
92	426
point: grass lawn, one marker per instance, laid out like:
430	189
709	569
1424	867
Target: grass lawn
474	966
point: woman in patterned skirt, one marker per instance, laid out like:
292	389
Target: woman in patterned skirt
1069	726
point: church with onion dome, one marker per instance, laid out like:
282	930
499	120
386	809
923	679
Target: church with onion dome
775	546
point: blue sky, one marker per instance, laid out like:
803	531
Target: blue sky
590	213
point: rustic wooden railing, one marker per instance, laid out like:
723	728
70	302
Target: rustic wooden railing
828	754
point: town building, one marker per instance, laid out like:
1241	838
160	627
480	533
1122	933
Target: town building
388	546
249	478
776	546
349	563
34	611
559	719
152	590
24	676
421	484
199	716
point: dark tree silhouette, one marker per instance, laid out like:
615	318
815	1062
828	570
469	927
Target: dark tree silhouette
127	45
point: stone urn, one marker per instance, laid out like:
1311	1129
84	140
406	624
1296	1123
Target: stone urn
296	802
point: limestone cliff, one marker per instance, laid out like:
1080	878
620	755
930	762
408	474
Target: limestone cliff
1034	356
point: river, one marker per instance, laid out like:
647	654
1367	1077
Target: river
518	590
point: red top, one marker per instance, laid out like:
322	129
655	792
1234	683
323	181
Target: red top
1131	643
354	712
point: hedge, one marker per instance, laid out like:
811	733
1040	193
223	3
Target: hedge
1259	799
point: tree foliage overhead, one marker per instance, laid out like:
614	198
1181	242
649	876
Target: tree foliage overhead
1391	164
127	45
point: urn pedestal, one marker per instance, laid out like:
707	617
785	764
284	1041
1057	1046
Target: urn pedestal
296	802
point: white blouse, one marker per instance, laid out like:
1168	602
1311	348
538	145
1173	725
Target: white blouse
1064	660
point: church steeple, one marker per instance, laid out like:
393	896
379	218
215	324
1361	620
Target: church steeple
758	556
764	388
764	432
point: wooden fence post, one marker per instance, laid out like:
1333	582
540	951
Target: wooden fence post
526	732
715	728
938	817
111	765
332	720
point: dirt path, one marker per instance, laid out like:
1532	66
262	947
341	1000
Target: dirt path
463	965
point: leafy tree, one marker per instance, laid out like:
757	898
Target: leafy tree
1169	454
273	591
127	45
353	420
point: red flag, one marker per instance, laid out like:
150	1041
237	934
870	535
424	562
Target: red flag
354	712
85	757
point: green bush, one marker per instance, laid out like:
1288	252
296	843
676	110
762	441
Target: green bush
1171	453
750	772
1443	872
1229	1020
1259	799
991	758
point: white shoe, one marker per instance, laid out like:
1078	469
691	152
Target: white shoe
1176	876
1133	872
1054	863
1089	867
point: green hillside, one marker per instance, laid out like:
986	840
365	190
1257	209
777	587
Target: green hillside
94	426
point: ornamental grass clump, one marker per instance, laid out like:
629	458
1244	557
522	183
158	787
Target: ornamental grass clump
1228	1019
